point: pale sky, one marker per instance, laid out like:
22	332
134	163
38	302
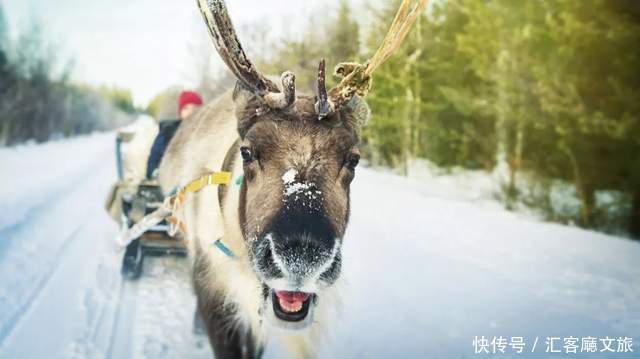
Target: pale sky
146	45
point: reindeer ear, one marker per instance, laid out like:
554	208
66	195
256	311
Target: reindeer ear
247	108
356	113
241	94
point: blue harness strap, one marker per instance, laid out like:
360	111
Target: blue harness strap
227	165
119	158
224	249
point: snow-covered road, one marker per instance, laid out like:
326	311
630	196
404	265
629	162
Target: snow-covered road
425	272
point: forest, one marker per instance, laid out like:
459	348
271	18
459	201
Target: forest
542	95
38	99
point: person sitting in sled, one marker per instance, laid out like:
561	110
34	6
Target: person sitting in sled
188	104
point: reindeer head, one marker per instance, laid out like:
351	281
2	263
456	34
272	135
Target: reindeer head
299	156
294	202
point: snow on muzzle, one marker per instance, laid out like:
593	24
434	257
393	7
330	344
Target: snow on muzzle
296	262
298	251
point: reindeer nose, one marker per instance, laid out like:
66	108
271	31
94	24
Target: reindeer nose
302	242
297	225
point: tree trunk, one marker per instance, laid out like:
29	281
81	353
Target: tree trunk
417	113
515	161
634	228
584	189
501	171
373	147
587	201
5	133
406	137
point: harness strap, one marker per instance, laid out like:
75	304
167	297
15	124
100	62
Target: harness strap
224	249
196	185
222	177
176	201
170	209
227	165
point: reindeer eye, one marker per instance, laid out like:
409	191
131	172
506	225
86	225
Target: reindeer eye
352	160
245	152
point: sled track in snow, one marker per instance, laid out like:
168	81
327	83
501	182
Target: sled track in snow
154	315
119	347
14	318
36	211
102	307
32	250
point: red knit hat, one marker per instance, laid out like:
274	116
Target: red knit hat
187	98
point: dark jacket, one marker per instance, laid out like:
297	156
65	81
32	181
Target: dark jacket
165	134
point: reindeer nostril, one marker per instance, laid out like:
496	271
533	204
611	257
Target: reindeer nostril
298	225
264	260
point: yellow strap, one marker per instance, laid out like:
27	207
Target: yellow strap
176	201
216	178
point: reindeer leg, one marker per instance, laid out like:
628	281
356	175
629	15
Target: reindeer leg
227	338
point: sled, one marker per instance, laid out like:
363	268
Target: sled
133	197
154	242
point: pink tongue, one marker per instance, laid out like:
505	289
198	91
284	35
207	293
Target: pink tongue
292	297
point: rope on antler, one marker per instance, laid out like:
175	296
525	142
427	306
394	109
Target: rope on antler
356	78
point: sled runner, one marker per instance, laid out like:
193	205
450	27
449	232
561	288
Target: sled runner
133	197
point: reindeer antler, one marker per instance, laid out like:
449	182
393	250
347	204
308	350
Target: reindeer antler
225	40
356	78
323	106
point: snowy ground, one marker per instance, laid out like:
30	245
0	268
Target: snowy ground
428	267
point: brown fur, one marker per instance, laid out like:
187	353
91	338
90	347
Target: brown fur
279	139
295	138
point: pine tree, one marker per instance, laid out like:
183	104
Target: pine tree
343	41
588	87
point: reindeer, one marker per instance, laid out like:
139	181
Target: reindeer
282	225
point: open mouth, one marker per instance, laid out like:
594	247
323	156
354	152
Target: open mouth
291	306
